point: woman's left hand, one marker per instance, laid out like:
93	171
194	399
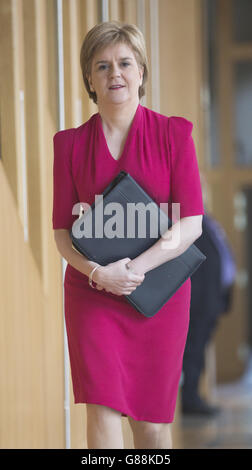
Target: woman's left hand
130	266
99	287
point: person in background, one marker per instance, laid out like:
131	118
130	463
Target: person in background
211	295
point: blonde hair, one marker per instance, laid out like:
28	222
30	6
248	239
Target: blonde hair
105	34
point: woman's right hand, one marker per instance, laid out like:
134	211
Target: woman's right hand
116	278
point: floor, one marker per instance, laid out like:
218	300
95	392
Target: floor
231	429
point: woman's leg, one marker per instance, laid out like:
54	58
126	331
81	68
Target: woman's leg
104	427
151	435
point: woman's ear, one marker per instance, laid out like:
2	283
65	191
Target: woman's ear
141	72
90	83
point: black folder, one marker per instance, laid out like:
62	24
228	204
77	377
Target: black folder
105	234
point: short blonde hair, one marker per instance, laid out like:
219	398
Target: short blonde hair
105	34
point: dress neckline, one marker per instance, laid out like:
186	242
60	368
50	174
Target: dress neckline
132	130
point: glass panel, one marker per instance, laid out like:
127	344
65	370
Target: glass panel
211	27
242	20
243	113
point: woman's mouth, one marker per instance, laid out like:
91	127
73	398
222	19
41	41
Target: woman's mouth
116	87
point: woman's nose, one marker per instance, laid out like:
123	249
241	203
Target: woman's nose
115	71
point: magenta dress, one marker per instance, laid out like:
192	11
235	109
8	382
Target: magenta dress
118	357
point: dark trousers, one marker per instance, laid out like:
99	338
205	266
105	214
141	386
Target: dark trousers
200	332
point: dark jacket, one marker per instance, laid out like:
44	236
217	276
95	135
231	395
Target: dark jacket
208	294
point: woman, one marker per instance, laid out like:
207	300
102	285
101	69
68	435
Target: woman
122	363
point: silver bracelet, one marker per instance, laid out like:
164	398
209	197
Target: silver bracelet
91	275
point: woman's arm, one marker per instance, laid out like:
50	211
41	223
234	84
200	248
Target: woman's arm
113	277
185	231
77	260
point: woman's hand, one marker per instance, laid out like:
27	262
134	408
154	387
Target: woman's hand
116	278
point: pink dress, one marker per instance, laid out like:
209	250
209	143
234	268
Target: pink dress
119	358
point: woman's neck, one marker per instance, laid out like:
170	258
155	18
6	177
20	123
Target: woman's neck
117	117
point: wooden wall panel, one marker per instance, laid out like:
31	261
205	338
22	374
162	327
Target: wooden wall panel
32	402
22	364
7	94
31	103
115	10
181	62
148	87
51	63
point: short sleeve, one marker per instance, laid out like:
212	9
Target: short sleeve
185	176
64	191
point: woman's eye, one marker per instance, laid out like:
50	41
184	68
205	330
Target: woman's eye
102	67
106	66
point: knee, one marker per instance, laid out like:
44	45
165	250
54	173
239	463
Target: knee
149	429
153	429
101	414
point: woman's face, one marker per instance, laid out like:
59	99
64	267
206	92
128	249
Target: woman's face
111	66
